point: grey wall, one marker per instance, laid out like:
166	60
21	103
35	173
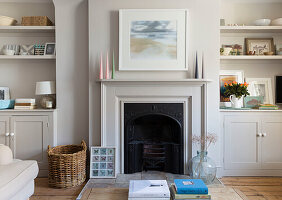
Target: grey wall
203	36
72	70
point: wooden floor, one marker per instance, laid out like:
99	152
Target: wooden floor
252	188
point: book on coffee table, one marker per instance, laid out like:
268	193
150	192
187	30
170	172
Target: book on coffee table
187	196
190	186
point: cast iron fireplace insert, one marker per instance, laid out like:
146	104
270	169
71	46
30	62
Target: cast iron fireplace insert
153	137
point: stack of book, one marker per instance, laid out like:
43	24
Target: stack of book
25	104
268	107
193	189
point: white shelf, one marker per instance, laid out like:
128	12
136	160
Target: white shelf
28	57
275	57
27	29
251	29
251	110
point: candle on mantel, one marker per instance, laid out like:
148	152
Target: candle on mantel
107	67
113	70
101	67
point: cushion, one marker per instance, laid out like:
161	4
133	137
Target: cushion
15	176
6	155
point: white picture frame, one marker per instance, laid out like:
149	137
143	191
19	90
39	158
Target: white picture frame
100	168
140	51
50	49
236	75
261	87
4	93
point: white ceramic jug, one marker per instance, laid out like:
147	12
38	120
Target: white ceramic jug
235	102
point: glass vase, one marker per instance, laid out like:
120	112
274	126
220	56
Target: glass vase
202	167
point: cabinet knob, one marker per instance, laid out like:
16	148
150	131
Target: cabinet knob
12	134
7	134
259	134
264	135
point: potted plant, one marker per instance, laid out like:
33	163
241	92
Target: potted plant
236	91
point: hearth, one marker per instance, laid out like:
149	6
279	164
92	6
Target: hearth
153	137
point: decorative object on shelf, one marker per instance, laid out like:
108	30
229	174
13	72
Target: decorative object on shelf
7	21
262	22
107	76
153	39
236	49
101	76
36	21
276	22
222	22
279	49
268	53
4	93
113	67
228	76
8	52
25	104
11	49
268	107
259	45
67	165
102	163
261	87
39	49
226	51
196	66
48	90
50	49
236	91
202	166
27	49
253	101
7	104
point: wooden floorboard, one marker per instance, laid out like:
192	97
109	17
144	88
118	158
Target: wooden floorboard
256	188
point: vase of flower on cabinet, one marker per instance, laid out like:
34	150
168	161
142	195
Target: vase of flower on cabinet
235	102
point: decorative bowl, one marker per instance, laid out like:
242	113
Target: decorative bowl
262	22
268	53
7	21
276	22
9	52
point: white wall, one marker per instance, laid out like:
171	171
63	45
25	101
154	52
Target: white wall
72	70
203	36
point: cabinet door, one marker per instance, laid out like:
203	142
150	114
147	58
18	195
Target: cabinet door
271	142
241	142
30	138
4	130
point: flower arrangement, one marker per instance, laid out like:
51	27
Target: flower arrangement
206	141
237	89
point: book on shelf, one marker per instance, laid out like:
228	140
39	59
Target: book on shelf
24	107
190	186
24	104
25	100
268	107
187	196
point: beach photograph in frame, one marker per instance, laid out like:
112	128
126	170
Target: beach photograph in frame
153	39
261	87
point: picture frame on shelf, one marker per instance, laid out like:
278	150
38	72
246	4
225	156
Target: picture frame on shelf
228	76
4	93
153	40
259	46
102	162
50	49
261	87
253	101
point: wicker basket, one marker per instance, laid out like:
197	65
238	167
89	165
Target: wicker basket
67	165
36	21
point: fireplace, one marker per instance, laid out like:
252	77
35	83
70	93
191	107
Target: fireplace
153	137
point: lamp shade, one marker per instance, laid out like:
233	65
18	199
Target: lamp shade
45	87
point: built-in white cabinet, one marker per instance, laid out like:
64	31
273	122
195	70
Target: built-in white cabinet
28	134
252	143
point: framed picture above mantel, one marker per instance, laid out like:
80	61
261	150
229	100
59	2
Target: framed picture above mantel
153	39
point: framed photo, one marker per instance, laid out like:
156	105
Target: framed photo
4	93
253	101
261	87
102	162
50	49
153	39
228	76
259	45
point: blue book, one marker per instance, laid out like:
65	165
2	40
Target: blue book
190	186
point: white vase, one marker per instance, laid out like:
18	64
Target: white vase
235	102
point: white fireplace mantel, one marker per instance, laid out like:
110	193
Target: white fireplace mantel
116	92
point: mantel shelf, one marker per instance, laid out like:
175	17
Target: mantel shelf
155	80
28	57
27	29
251	29
245	57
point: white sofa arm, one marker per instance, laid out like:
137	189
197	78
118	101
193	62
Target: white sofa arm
6	155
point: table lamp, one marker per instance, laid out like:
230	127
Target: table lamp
47	89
